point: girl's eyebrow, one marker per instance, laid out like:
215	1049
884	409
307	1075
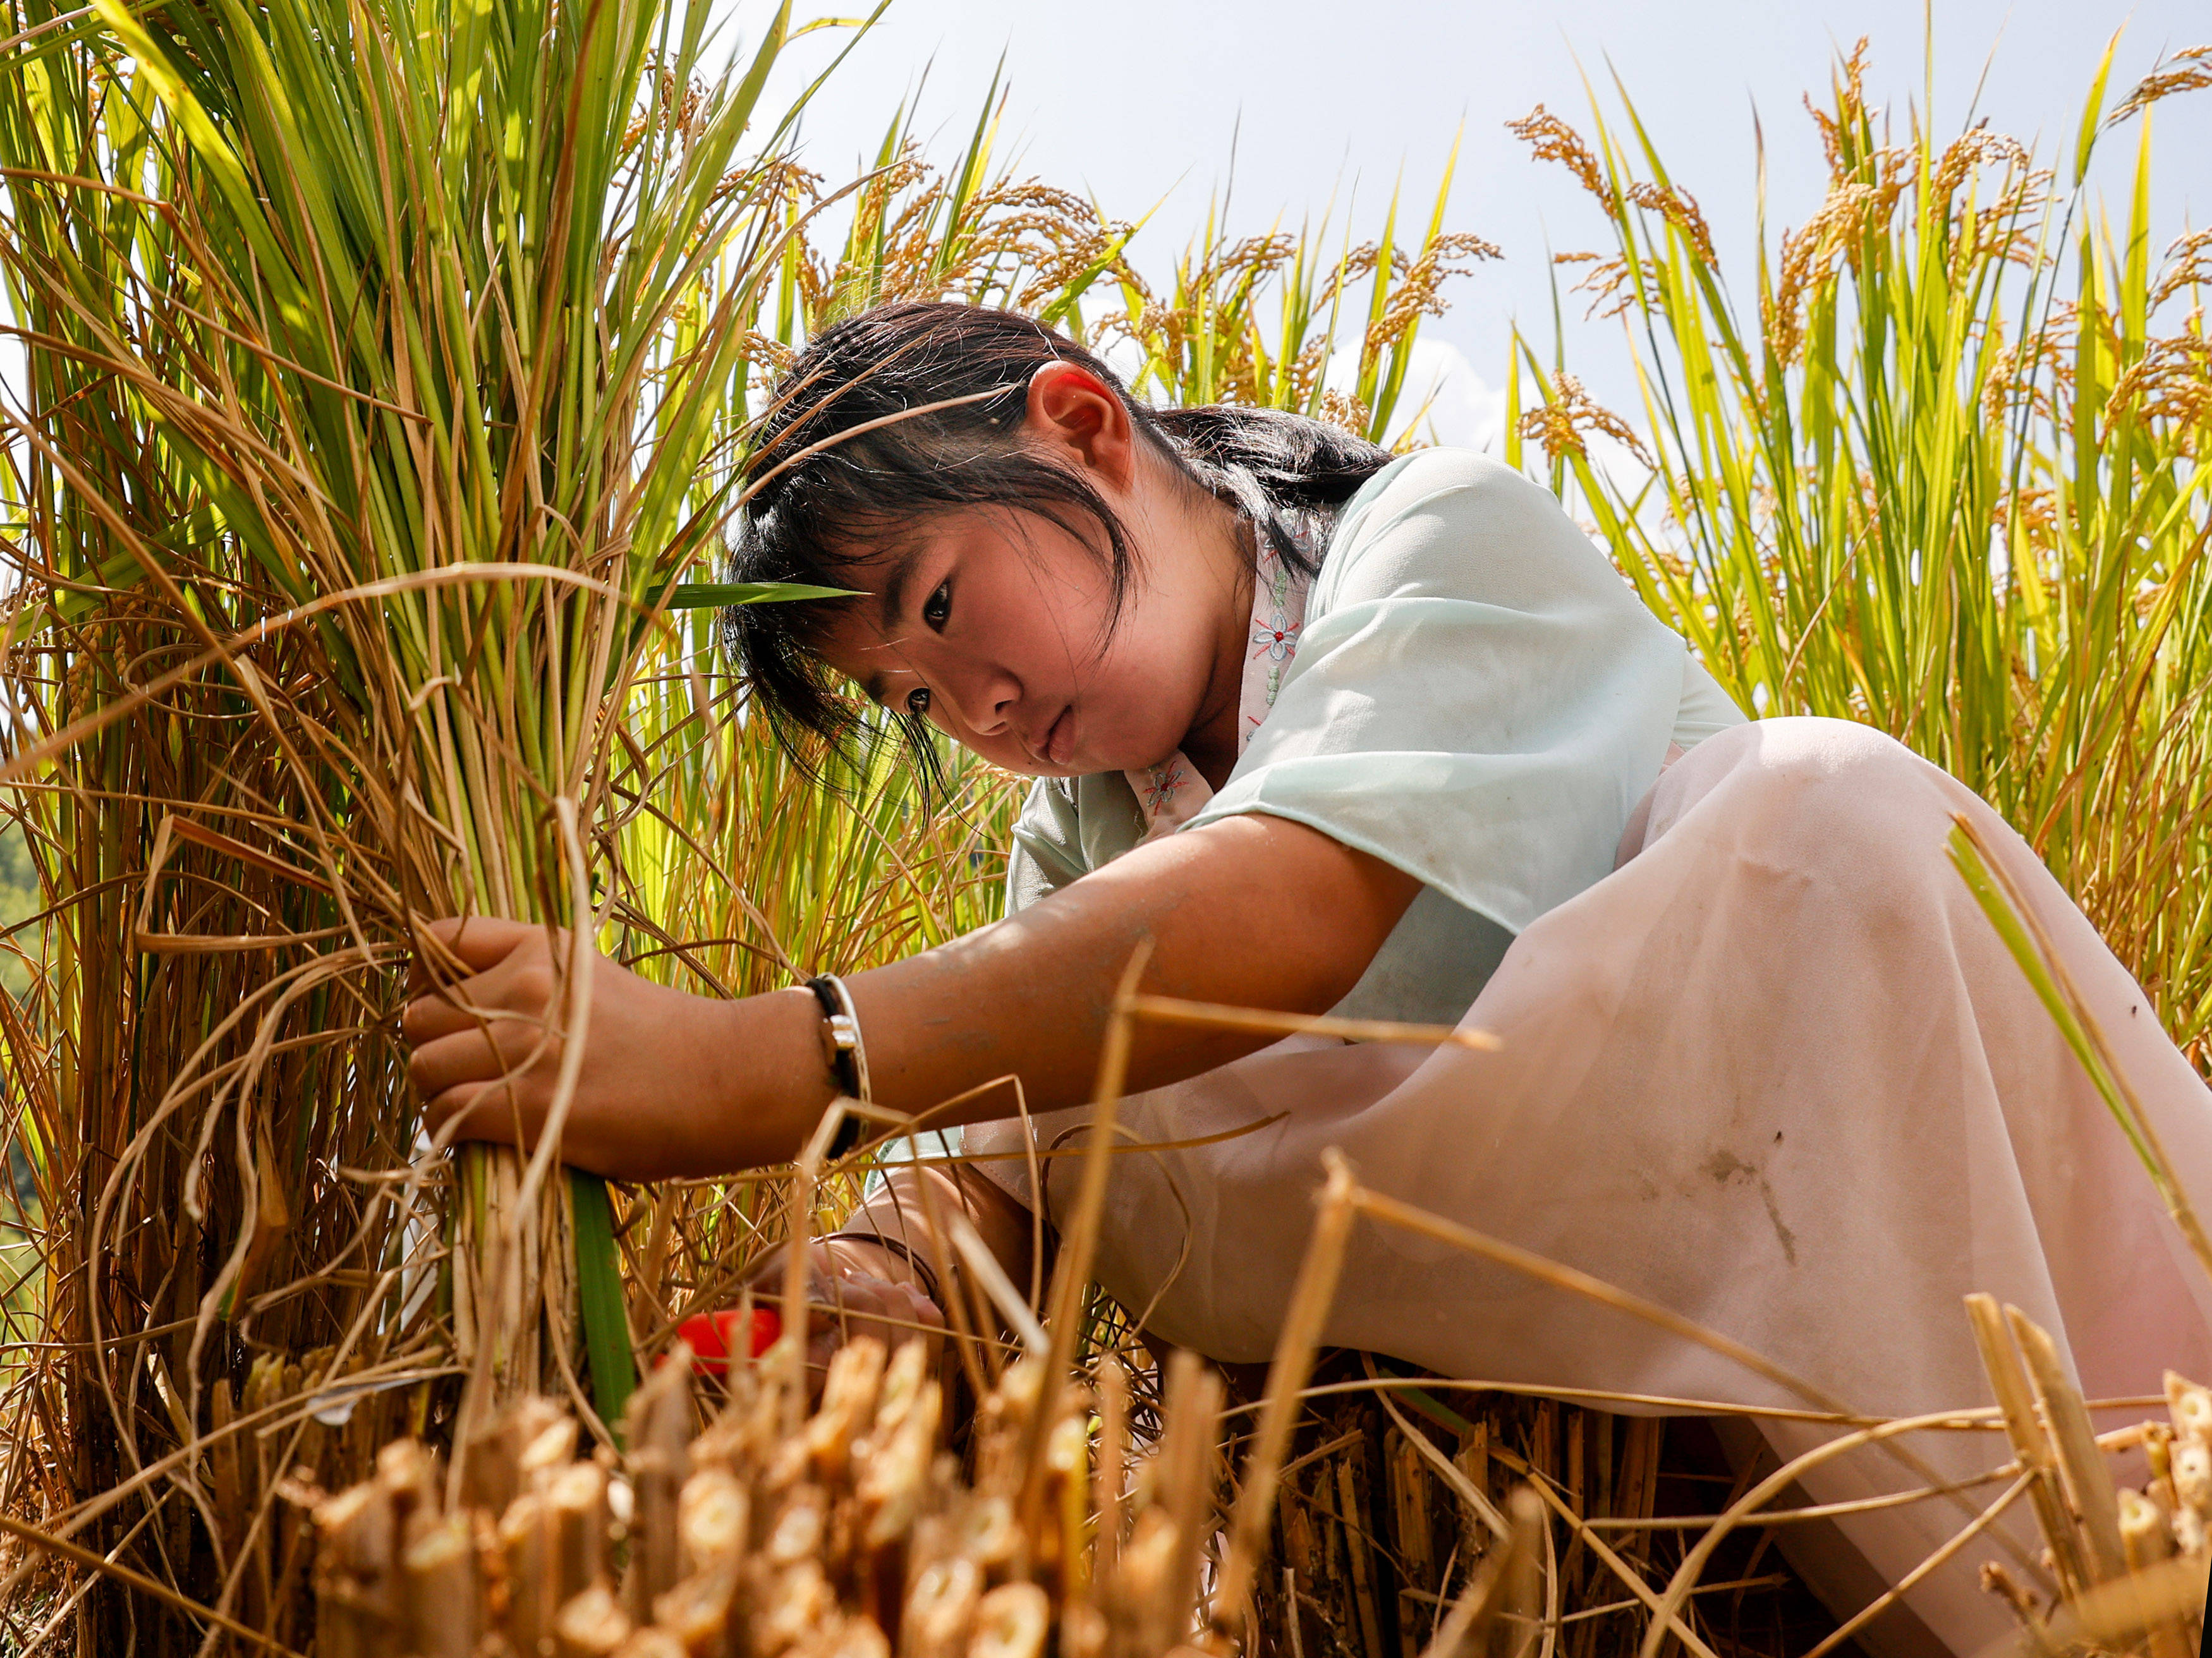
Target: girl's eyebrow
891	600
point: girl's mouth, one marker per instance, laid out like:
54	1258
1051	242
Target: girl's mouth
1060	741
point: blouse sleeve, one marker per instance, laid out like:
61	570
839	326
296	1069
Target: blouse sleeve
1069	826
1478	698
1047	852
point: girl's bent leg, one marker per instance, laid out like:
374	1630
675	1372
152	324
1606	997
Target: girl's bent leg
1778	1075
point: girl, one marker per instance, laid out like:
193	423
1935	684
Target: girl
1335	732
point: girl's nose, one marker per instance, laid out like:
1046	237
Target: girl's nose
983	700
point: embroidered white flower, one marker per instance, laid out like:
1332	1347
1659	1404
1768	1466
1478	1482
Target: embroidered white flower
1165	780
1277	637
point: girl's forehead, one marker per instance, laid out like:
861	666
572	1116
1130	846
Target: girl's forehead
879	575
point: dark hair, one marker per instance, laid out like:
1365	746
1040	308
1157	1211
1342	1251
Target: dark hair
914	407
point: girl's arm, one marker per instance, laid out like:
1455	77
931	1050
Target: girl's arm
1254	910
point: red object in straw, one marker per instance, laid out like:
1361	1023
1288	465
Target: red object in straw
714	1336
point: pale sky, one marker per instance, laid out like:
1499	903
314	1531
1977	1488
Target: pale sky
1138	101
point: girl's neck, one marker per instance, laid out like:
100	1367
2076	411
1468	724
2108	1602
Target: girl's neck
1210	745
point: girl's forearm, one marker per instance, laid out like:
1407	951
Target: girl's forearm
1256	911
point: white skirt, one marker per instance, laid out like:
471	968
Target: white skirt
1776	1073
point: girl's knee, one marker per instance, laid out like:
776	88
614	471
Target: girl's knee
1858	799
1812	753
1829	778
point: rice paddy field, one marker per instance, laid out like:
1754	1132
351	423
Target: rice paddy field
381	378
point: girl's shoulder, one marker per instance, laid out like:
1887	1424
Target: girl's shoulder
1455	523
1468	478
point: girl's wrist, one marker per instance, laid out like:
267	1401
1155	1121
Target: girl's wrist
775	1079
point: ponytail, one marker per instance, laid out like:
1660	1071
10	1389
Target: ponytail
1263	461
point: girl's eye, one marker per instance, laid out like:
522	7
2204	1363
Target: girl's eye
940	605
917	701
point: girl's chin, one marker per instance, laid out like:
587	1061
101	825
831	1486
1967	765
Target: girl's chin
1129	746
1075	755
1133	758
1079	765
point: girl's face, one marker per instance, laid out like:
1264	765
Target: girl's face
995	625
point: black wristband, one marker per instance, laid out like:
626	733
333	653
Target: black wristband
845	1061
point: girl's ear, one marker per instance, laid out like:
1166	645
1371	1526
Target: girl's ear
1071	410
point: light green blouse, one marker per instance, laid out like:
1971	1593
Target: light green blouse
1478	698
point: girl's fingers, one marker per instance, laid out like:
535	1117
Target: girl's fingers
844	1304
479	946
925	1311
429	1019
487	1113
440	1014
859	1305
481	941
895	1309
480	1054
520	984
436	1067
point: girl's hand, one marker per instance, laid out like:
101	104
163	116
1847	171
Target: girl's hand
855	1289
670	1085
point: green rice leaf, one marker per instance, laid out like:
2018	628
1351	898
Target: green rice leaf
2092	111
2025	943
716	595
599	1294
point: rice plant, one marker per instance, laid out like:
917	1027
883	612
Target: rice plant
387	373
1949	475
377	371
1210	338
